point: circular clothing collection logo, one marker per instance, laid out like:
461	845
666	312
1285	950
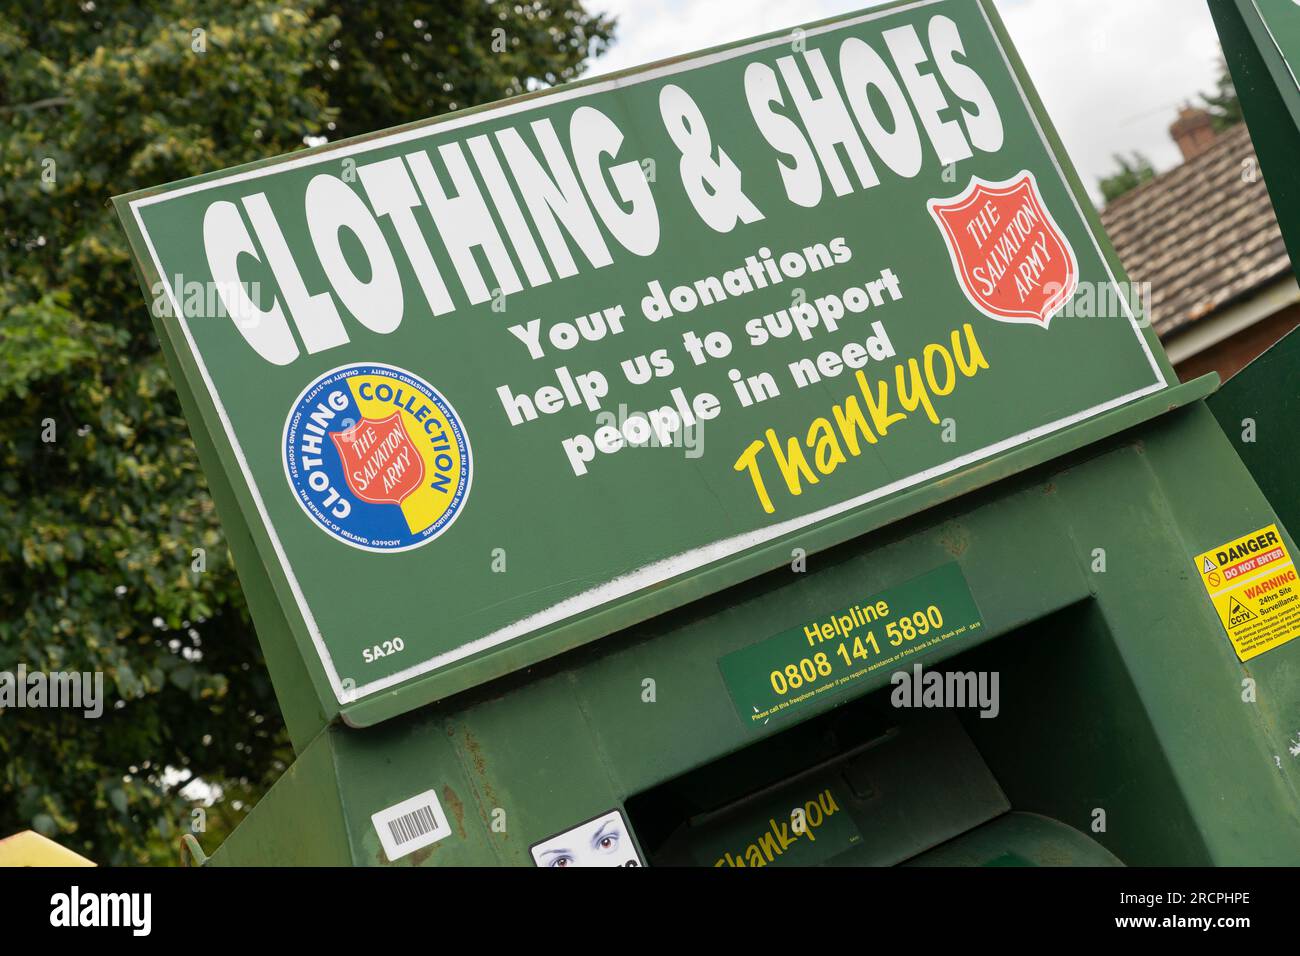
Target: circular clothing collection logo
377	457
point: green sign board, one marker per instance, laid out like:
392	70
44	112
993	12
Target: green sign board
829	654
490	386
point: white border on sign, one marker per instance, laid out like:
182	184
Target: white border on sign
1269	30
655	573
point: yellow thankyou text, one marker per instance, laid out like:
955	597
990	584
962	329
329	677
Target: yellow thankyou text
864	418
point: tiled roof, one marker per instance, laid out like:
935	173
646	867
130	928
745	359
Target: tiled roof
1202	234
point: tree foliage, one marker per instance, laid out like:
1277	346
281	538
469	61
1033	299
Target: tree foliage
1223	104
100	566
1132	173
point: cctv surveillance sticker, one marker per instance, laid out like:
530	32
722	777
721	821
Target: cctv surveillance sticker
377	457
1252	584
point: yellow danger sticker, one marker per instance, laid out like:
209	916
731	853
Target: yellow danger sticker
1252	583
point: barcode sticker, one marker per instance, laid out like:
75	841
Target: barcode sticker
410	825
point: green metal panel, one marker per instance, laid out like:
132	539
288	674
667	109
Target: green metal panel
1259	409
1019	839
301	821
1119	687
1261	42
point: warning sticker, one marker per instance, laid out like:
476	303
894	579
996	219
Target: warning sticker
1252	584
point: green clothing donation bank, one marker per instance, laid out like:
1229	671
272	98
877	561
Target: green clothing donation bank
754	458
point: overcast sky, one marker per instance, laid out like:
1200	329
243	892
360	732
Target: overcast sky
1112	73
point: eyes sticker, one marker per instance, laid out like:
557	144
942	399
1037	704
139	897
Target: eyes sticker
603	841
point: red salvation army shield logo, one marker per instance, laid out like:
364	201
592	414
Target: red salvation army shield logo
380	462
1011	258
